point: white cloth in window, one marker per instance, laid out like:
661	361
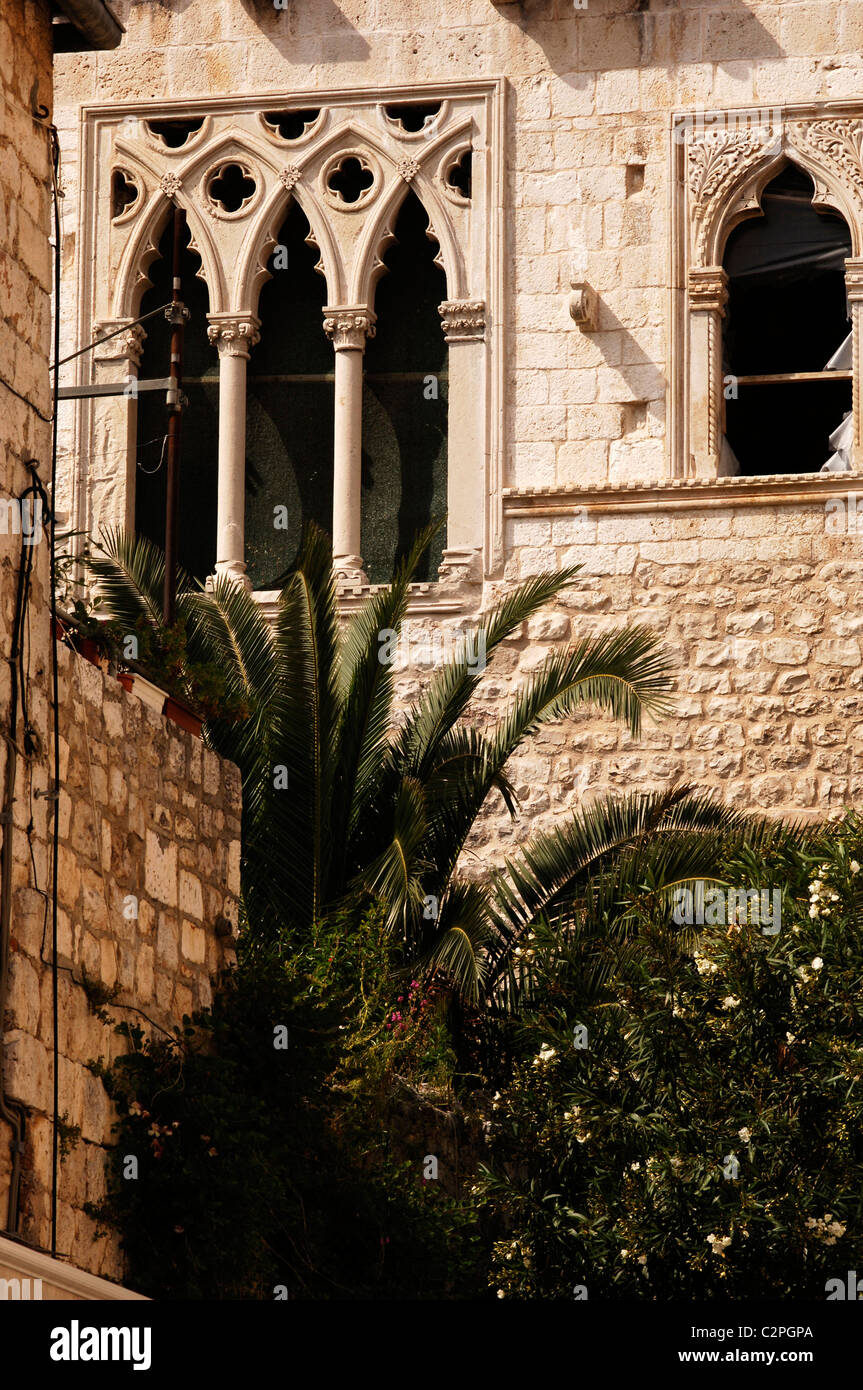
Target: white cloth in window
842	438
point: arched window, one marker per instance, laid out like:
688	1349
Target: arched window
405	403
289	403
787	336
200	427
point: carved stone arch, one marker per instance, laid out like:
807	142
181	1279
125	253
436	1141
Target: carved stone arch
142	249
232	143
729	170
379	235
253	274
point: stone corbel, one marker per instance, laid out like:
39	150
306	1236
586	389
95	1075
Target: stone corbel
584	306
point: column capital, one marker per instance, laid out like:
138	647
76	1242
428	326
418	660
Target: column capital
234	334
854	279
125	346
463	320
708	288
348	326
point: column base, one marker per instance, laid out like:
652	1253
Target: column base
235	570
348	571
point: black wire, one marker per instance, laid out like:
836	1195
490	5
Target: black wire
55	1007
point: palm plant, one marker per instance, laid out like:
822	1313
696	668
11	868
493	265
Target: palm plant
342	805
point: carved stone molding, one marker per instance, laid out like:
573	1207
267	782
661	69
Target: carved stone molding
126	346
349	328
838	143
408	169
170	185
854	279
289	176
714	164
584	306
463	320
234	334
708	288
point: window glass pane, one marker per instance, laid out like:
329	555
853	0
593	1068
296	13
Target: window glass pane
289	422
404	474
200	419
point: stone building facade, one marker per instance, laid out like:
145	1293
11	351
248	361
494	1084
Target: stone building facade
148	821
586	174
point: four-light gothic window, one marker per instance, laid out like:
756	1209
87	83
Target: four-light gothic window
338	269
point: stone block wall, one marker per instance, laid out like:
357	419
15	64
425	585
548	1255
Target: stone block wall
149	861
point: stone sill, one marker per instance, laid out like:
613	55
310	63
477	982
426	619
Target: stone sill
426	599
680	494
59	1281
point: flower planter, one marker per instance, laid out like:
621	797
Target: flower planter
180	714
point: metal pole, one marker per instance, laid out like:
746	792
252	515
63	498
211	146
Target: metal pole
176	315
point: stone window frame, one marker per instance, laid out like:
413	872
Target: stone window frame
234	252
720	163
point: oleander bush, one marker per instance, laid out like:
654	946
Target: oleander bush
685	1117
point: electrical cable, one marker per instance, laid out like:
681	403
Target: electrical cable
55	692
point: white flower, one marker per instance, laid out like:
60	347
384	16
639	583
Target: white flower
813	912
815	885
854	866
745	1134
501	1294
730	1001
634	1167
817	963
791	1037
718	1244
624	1254
834	897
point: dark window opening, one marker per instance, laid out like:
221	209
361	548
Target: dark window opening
231	188
289	412
413	116
174	134
200	420
786	318
350	179
123	193
459	176
405	390
291	125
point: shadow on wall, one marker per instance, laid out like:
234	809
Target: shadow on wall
320	19
604	35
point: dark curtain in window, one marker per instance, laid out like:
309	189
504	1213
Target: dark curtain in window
289	421
200	423
404	478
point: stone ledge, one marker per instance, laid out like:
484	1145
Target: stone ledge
679	494
60	1281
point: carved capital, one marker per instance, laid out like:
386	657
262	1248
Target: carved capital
349	327
234	334
708	288
463	320
854	279
584	306
125	346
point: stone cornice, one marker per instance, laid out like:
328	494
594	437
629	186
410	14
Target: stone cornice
684	494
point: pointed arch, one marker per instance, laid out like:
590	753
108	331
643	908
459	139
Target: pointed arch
252	273
378	237
142	249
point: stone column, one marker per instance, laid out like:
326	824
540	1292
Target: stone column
708	294
854	292
348	327
467	465
113	454
233	335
